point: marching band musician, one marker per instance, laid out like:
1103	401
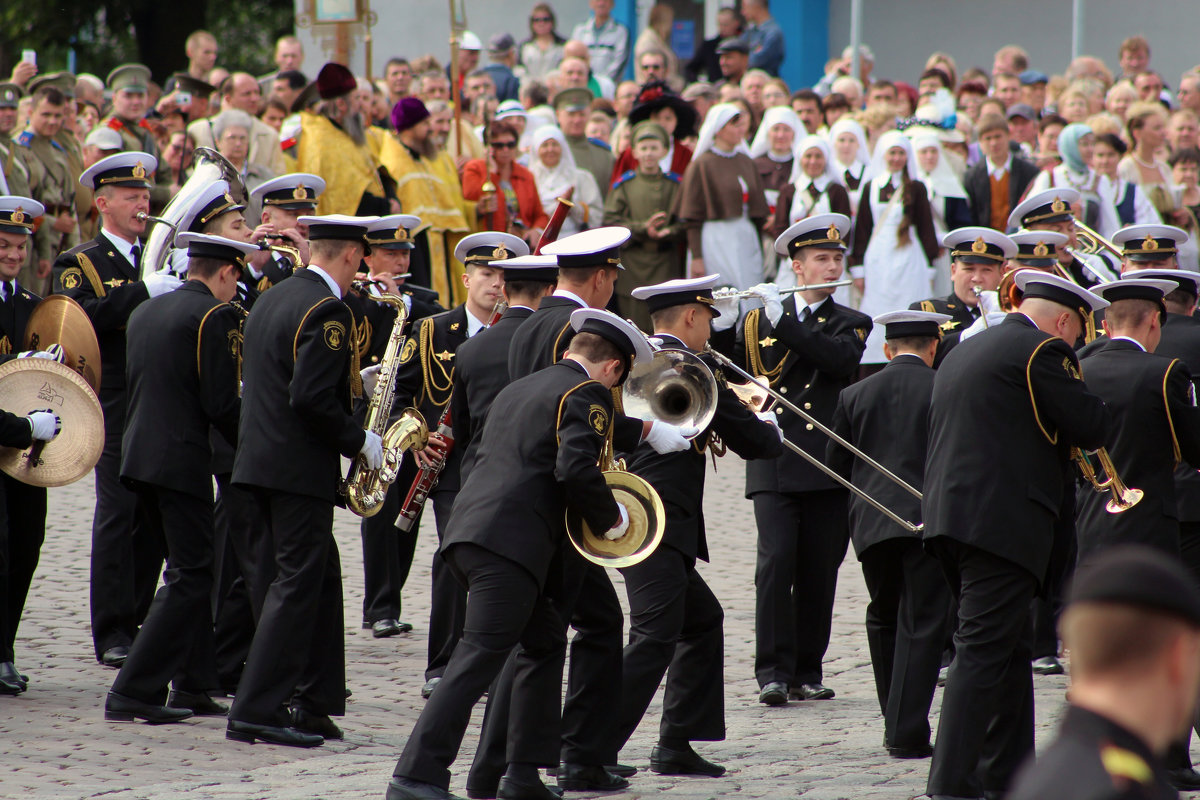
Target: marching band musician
886	416
299	375
1052	210
675	620
977	257
103	275
808	347
424	380
541	447
183	353
23	505
284	200
1025	372
387	551
588	264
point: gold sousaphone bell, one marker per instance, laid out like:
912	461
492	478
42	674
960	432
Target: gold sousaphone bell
675	387
34	384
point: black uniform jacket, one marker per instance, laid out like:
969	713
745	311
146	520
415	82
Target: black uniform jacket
810	363
425	377
182	376
961	318
296	396
540	451
14	316
1093	758
1155	426
374	320
1008	405
542	341
480	372
1181	339
99	278
679	477
887	417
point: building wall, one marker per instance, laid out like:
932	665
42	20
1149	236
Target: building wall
903	33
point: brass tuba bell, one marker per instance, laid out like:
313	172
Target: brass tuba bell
675	386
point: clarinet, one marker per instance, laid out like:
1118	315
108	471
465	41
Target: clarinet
427	477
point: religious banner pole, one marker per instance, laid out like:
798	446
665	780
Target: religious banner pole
458	24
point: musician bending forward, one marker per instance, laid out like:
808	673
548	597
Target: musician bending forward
674	618
541	445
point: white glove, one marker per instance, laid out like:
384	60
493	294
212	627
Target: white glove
43	424
370	377
159	283
772	304
770	418
989	300
52	353
618	530
988	320
372	450
667	438
729	308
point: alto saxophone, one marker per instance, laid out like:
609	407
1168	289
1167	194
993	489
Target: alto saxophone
363	488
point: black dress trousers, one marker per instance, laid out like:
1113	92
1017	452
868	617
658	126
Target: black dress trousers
448	601
388	551
22	531
504	609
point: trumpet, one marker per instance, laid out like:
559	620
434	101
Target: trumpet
1123	497
818	463
728	294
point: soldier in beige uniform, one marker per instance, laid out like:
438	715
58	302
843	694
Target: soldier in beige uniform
51	183
13	167
129	84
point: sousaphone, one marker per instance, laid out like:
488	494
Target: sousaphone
35	384
60	320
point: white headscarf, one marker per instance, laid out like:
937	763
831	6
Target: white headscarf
551	183
942	181
778	115
848	125
879	162
717	117
802	201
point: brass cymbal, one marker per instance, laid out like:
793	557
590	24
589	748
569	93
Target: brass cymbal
35	384
60	320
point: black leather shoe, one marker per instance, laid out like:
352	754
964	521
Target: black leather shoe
621	770
405	789
429	686
119	708
115	656
1047	665
320	724
11	681
249	733
1185	779
666	761
198	703
920	751
511	789
774	694
589	778
388	627
482	788
812	691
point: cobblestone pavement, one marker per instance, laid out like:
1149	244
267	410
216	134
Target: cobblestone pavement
56	744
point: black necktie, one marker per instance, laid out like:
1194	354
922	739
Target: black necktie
136	255
885	194
6	291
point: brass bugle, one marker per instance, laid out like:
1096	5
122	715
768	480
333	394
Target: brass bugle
726	294
818	463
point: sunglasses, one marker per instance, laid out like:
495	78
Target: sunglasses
504	145
541	19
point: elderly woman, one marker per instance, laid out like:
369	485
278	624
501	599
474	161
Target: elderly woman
721	201
554	169
1075	146
231	132
519	210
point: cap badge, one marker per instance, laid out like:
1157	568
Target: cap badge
499	253
299	193
1040	249
138	170
401	234
979	246
1058	206
1149	243
833	233
17	216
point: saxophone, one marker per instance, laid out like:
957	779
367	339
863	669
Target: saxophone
363	488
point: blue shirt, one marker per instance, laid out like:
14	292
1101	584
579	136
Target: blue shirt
766	45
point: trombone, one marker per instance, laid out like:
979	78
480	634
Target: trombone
1123	497
1091	244
730	293
818	463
